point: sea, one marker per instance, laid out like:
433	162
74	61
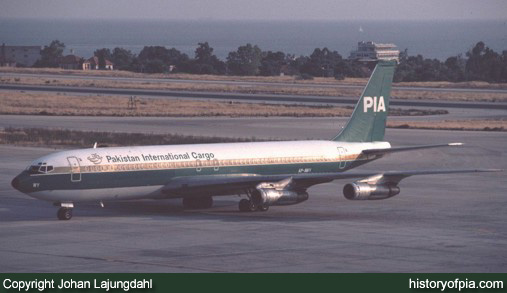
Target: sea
432	39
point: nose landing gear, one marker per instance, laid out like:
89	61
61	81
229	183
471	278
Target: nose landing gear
64	214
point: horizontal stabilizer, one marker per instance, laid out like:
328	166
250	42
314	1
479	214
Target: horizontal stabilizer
409	148
397	176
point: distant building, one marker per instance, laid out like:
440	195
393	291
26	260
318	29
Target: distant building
71	62
24	56
93	64
370	51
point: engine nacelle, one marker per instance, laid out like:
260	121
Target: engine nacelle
273	197
365	191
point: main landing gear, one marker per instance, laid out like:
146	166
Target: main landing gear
247	205
194	203
65	211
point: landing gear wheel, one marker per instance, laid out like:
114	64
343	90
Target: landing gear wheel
246	205
263	208
64	214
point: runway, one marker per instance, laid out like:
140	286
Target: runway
258	127
451	223
308	99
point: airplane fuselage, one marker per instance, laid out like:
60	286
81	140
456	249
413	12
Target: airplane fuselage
98	174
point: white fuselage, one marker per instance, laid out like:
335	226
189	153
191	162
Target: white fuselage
85	168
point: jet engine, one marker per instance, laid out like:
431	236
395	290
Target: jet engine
365	191
277	194
272	197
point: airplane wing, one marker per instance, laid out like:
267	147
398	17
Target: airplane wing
238	183
409	148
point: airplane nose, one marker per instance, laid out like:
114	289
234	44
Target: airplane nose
15	183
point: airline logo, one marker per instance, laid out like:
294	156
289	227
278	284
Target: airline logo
374	103
95	158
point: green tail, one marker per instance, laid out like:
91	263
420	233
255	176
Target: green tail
368	121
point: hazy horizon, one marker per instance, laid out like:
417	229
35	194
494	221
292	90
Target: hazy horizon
260	10
429	38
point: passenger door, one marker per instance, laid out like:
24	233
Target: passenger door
341	153
75	169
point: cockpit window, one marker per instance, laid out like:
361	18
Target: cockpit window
33	169
40	168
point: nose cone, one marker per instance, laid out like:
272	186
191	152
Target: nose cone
15	182
20	183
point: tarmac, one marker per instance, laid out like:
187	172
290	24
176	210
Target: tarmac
438	223
249	97
242	83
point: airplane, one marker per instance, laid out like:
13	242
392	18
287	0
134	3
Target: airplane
269	173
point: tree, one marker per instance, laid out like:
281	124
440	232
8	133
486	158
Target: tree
272	62
454	69
158	59
322	62
205	62
204	53
418	68
351	68
485	64
51	54
123	59
155	66
103	55
245	61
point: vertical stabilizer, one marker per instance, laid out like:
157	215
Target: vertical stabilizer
368	121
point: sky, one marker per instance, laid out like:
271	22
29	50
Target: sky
326	10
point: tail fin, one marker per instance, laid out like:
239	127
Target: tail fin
368	121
